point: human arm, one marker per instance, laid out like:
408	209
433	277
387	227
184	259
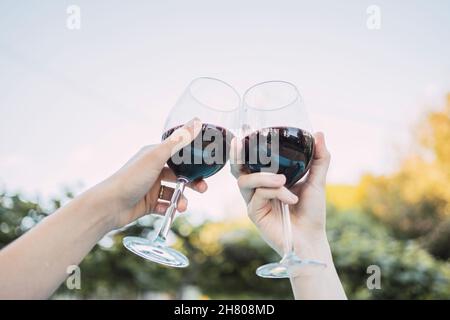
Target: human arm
33	266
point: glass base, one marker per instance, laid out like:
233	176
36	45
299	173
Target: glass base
156	252
287	267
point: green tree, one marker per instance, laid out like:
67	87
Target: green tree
416	199
224	256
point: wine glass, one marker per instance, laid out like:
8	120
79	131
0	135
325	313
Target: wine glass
216	103
278	138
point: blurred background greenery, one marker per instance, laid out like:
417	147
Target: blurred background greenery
400	222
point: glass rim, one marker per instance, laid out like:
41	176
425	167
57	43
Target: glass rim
189	89
298	96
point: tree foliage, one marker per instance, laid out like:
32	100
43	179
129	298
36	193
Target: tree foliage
416	200
224	256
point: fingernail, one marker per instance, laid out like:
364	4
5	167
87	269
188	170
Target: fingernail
193	122
293	197
281	177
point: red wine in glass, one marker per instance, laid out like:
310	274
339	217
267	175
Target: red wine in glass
205	156
295	149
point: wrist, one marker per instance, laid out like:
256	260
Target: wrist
313	247
100	208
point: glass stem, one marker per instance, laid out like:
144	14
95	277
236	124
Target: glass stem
170	212
288	243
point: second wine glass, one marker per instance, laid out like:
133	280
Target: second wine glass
278	139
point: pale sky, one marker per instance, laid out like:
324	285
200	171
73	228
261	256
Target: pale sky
76	104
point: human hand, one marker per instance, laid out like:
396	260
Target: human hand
133	191
306	200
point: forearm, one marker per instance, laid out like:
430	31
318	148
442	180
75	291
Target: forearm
317	283
33	266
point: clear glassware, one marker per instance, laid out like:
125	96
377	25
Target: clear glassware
275	108
216	104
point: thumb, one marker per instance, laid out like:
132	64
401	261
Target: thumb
180	138
321	161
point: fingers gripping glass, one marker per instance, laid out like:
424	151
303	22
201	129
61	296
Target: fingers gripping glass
274	123
216	103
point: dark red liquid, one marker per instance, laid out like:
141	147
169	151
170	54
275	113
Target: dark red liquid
296	149
205	156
